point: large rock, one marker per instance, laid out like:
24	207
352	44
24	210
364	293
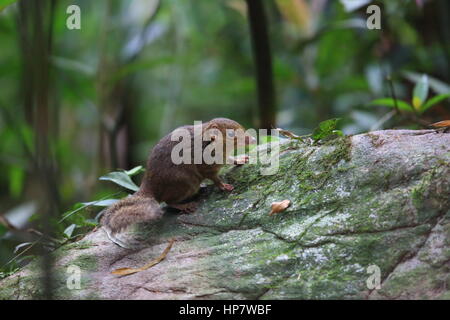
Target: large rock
380	199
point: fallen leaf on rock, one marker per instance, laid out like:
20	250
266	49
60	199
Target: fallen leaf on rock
127	271
441	124
278	207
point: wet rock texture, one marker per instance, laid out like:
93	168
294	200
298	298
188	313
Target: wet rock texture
378	199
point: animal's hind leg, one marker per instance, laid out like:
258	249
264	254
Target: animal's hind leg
188	207
183	199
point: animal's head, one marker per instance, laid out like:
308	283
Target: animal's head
230	131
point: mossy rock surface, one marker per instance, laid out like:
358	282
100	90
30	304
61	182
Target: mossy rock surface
380	199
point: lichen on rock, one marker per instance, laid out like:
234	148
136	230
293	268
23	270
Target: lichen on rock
379	199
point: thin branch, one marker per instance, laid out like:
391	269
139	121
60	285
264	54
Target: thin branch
392	92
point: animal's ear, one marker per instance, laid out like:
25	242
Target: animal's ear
212	125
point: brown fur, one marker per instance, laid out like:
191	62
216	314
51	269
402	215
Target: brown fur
132	209
165	181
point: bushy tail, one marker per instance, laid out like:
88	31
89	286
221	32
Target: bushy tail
130	210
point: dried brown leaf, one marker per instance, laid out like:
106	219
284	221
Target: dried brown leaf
127	271
278	207
441	124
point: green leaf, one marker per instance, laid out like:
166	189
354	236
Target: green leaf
325	129
69	230
91	222
3	230
433	101
338	132
420	92
23	244
435	84
80	206
16	181
122	179
135	171
389	102
101	203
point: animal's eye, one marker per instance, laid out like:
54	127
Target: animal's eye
230	133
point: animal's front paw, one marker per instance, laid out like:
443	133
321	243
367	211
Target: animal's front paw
190	207
240	160
226	187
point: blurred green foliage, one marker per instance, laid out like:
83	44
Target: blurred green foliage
419	103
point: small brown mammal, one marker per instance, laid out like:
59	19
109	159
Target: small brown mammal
165	181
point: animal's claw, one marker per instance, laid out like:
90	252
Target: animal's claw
241	160
226	187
